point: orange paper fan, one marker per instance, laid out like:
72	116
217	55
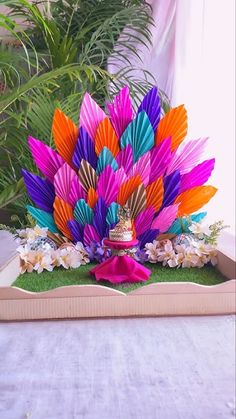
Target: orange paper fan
106	137
193	199
65	134
128	188
155	192
92	197
174	124
63	212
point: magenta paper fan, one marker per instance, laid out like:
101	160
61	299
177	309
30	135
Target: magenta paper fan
46	159
197	176
107	187
165	218
121	113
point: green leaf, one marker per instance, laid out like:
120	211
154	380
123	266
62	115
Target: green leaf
11	193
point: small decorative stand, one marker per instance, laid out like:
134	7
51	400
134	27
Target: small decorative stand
121	267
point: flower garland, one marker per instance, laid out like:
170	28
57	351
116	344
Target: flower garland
196	254
39	252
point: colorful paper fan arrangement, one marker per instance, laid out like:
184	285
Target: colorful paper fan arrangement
121	158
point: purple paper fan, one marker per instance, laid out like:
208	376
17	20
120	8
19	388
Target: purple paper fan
84	149
171	188
41	191
147	237
151	104
77	230
99	219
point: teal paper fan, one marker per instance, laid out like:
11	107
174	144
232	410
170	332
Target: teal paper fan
112	216
83	213
43	218
106	158
181	225
139	134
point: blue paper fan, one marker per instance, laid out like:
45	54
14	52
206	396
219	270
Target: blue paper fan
83	213
112	216
139	134
106	158
181	225
43	218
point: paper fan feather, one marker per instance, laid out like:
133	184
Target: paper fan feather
141	161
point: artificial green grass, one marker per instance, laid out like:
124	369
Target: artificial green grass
61	277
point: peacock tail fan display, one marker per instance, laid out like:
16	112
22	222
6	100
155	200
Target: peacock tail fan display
118	158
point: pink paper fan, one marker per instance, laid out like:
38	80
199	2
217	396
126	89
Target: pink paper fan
160	158
187	156
165	218
142	168
90	115
90	235
63	180
76	192
46	159
121	176
125	158
107	187
143	221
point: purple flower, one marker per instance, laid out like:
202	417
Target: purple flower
98	252
141	255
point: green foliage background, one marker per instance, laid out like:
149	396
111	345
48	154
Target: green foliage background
60	50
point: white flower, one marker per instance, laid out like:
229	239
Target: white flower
44	262
152	250
167	256
200	230
172	262
24	251
30	234
70	258
40	231
75	260
25	266
191	260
